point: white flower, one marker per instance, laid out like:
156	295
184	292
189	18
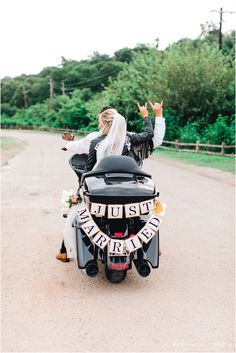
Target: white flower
66	200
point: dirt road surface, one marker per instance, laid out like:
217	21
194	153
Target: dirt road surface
187	305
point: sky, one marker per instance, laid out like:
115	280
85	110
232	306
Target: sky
37	33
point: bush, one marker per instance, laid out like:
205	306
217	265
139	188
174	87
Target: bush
7	120
8	109
73	114
189	133
33	116
223	130
172	129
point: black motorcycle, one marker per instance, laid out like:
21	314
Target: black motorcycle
115	224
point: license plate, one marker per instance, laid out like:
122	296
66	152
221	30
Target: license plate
114	254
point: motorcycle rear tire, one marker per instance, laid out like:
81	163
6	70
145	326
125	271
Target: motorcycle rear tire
115	276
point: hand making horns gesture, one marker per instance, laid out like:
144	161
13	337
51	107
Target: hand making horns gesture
143	109
157	108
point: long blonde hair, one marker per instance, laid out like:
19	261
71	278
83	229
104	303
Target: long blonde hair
106	117
115	131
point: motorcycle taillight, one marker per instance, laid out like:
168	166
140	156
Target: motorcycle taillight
118	266
118	235
118	262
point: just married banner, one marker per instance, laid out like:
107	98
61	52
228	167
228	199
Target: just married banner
119	246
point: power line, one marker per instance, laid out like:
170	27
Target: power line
82	83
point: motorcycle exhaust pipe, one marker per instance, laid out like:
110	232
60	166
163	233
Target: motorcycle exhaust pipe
143	268
91	268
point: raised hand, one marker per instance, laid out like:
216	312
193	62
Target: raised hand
157	108
143	109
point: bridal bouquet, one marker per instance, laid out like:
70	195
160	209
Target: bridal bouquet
66	200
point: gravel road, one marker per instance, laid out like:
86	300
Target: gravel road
187	305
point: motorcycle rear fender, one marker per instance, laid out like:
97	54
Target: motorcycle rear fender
85	249
149	252
152	253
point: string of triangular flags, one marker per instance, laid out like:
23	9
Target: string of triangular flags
119	246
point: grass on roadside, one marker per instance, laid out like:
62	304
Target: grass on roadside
224	163
9	147
10	143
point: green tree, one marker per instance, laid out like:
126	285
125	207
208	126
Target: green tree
196	82
72	113
124	55
9	87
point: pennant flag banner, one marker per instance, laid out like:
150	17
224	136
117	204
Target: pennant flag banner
101	239
133	244
119	246
120	211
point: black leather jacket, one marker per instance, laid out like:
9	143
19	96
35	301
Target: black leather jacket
131	146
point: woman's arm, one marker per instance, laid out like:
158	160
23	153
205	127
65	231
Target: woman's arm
159	131
160	125
82	145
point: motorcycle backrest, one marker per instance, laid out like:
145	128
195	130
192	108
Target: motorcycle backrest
116	164
78	163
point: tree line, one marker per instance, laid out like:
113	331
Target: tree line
193	77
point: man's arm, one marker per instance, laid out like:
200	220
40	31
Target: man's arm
147	134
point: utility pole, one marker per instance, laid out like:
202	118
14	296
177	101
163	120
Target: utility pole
51	94
220	31
63	88
220	28
24	92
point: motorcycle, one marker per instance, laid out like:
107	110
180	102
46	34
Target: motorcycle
116	224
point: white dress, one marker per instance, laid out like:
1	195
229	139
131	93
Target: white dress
70	232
